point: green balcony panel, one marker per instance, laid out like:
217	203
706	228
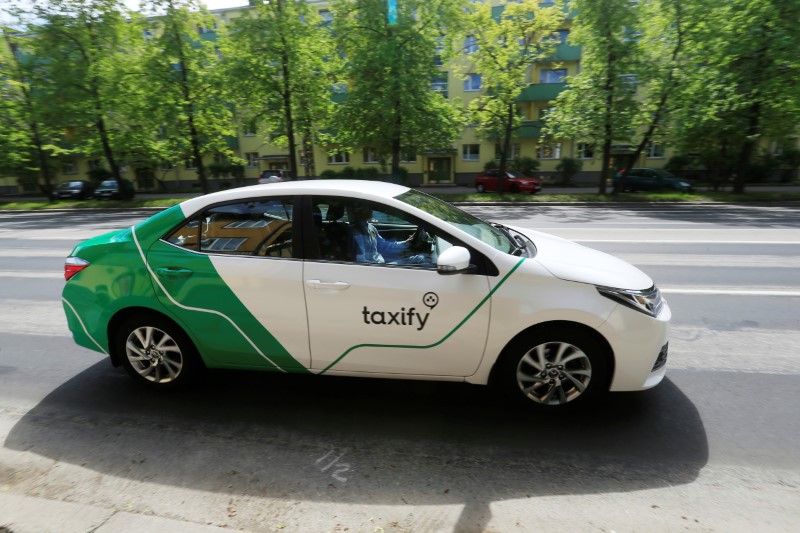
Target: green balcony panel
566	52
541	92
530	129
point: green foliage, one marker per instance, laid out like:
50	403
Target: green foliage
389	68
96	175
284	63
184	90
490	165
351	173
506	47
745	86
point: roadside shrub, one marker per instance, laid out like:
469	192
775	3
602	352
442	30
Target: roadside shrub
527	166
568	168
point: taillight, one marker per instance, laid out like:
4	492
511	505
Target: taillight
73	265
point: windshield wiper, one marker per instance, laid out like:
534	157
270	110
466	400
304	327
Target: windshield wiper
518	247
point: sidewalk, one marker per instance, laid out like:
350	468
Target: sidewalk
26	514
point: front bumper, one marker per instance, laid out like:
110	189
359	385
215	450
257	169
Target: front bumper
640	346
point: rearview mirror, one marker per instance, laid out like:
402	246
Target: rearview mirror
454	260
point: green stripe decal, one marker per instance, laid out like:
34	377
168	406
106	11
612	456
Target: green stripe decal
450	334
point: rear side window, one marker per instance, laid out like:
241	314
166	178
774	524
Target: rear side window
254	228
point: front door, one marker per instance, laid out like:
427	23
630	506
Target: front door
388	311
439	170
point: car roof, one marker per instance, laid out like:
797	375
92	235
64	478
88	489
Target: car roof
352	188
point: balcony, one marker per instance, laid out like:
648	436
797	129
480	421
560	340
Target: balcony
541	92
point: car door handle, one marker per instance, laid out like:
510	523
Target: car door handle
335	285
173	272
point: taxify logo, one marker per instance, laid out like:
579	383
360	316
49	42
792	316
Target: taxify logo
403	317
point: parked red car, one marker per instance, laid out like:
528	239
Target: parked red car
487	181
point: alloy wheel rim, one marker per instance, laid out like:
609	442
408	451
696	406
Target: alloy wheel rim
554	373
154	354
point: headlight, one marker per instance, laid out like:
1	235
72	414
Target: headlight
647	301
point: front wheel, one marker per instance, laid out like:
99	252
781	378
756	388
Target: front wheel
157	353
480	188
553	369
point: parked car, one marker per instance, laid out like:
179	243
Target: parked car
487	181
270	278
114	190
273	176
650	179
77	189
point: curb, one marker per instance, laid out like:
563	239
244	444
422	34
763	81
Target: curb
28	514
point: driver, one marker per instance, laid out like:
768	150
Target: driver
370	247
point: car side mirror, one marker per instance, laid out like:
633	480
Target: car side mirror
454	260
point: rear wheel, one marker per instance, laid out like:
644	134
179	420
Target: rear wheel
553	369
157	353
480	187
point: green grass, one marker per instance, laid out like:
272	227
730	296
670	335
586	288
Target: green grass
89	204
723	197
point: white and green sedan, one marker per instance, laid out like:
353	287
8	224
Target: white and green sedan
368	279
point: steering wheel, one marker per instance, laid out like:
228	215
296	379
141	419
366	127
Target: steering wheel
421	241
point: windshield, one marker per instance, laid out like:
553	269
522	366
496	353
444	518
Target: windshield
471	224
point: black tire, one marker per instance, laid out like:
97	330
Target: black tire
514	189
157	353
523	376
480	187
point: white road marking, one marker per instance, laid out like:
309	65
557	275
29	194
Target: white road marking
30	274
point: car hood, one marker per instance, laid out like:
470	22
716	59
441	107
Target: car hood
572	262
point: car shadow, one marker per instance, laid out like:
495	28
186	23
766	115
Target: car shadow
365	441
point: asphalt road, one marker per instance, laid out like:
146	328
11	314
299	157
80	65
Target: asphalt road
714	447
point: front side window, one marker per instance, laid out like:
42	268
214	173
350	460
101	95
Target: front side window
462	220
253	228
359	231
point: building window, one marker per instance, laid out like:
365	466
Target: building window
473	82
471	152
542	112
371	156
252	159
167	166
555	75
250	128
340	157
439	84
548	151
408	156
69	167
95	164
189	164
585	151
655	151
628	82
513	152
470	44
437	58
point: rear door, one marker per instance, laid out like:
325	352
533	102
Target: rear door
233	279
